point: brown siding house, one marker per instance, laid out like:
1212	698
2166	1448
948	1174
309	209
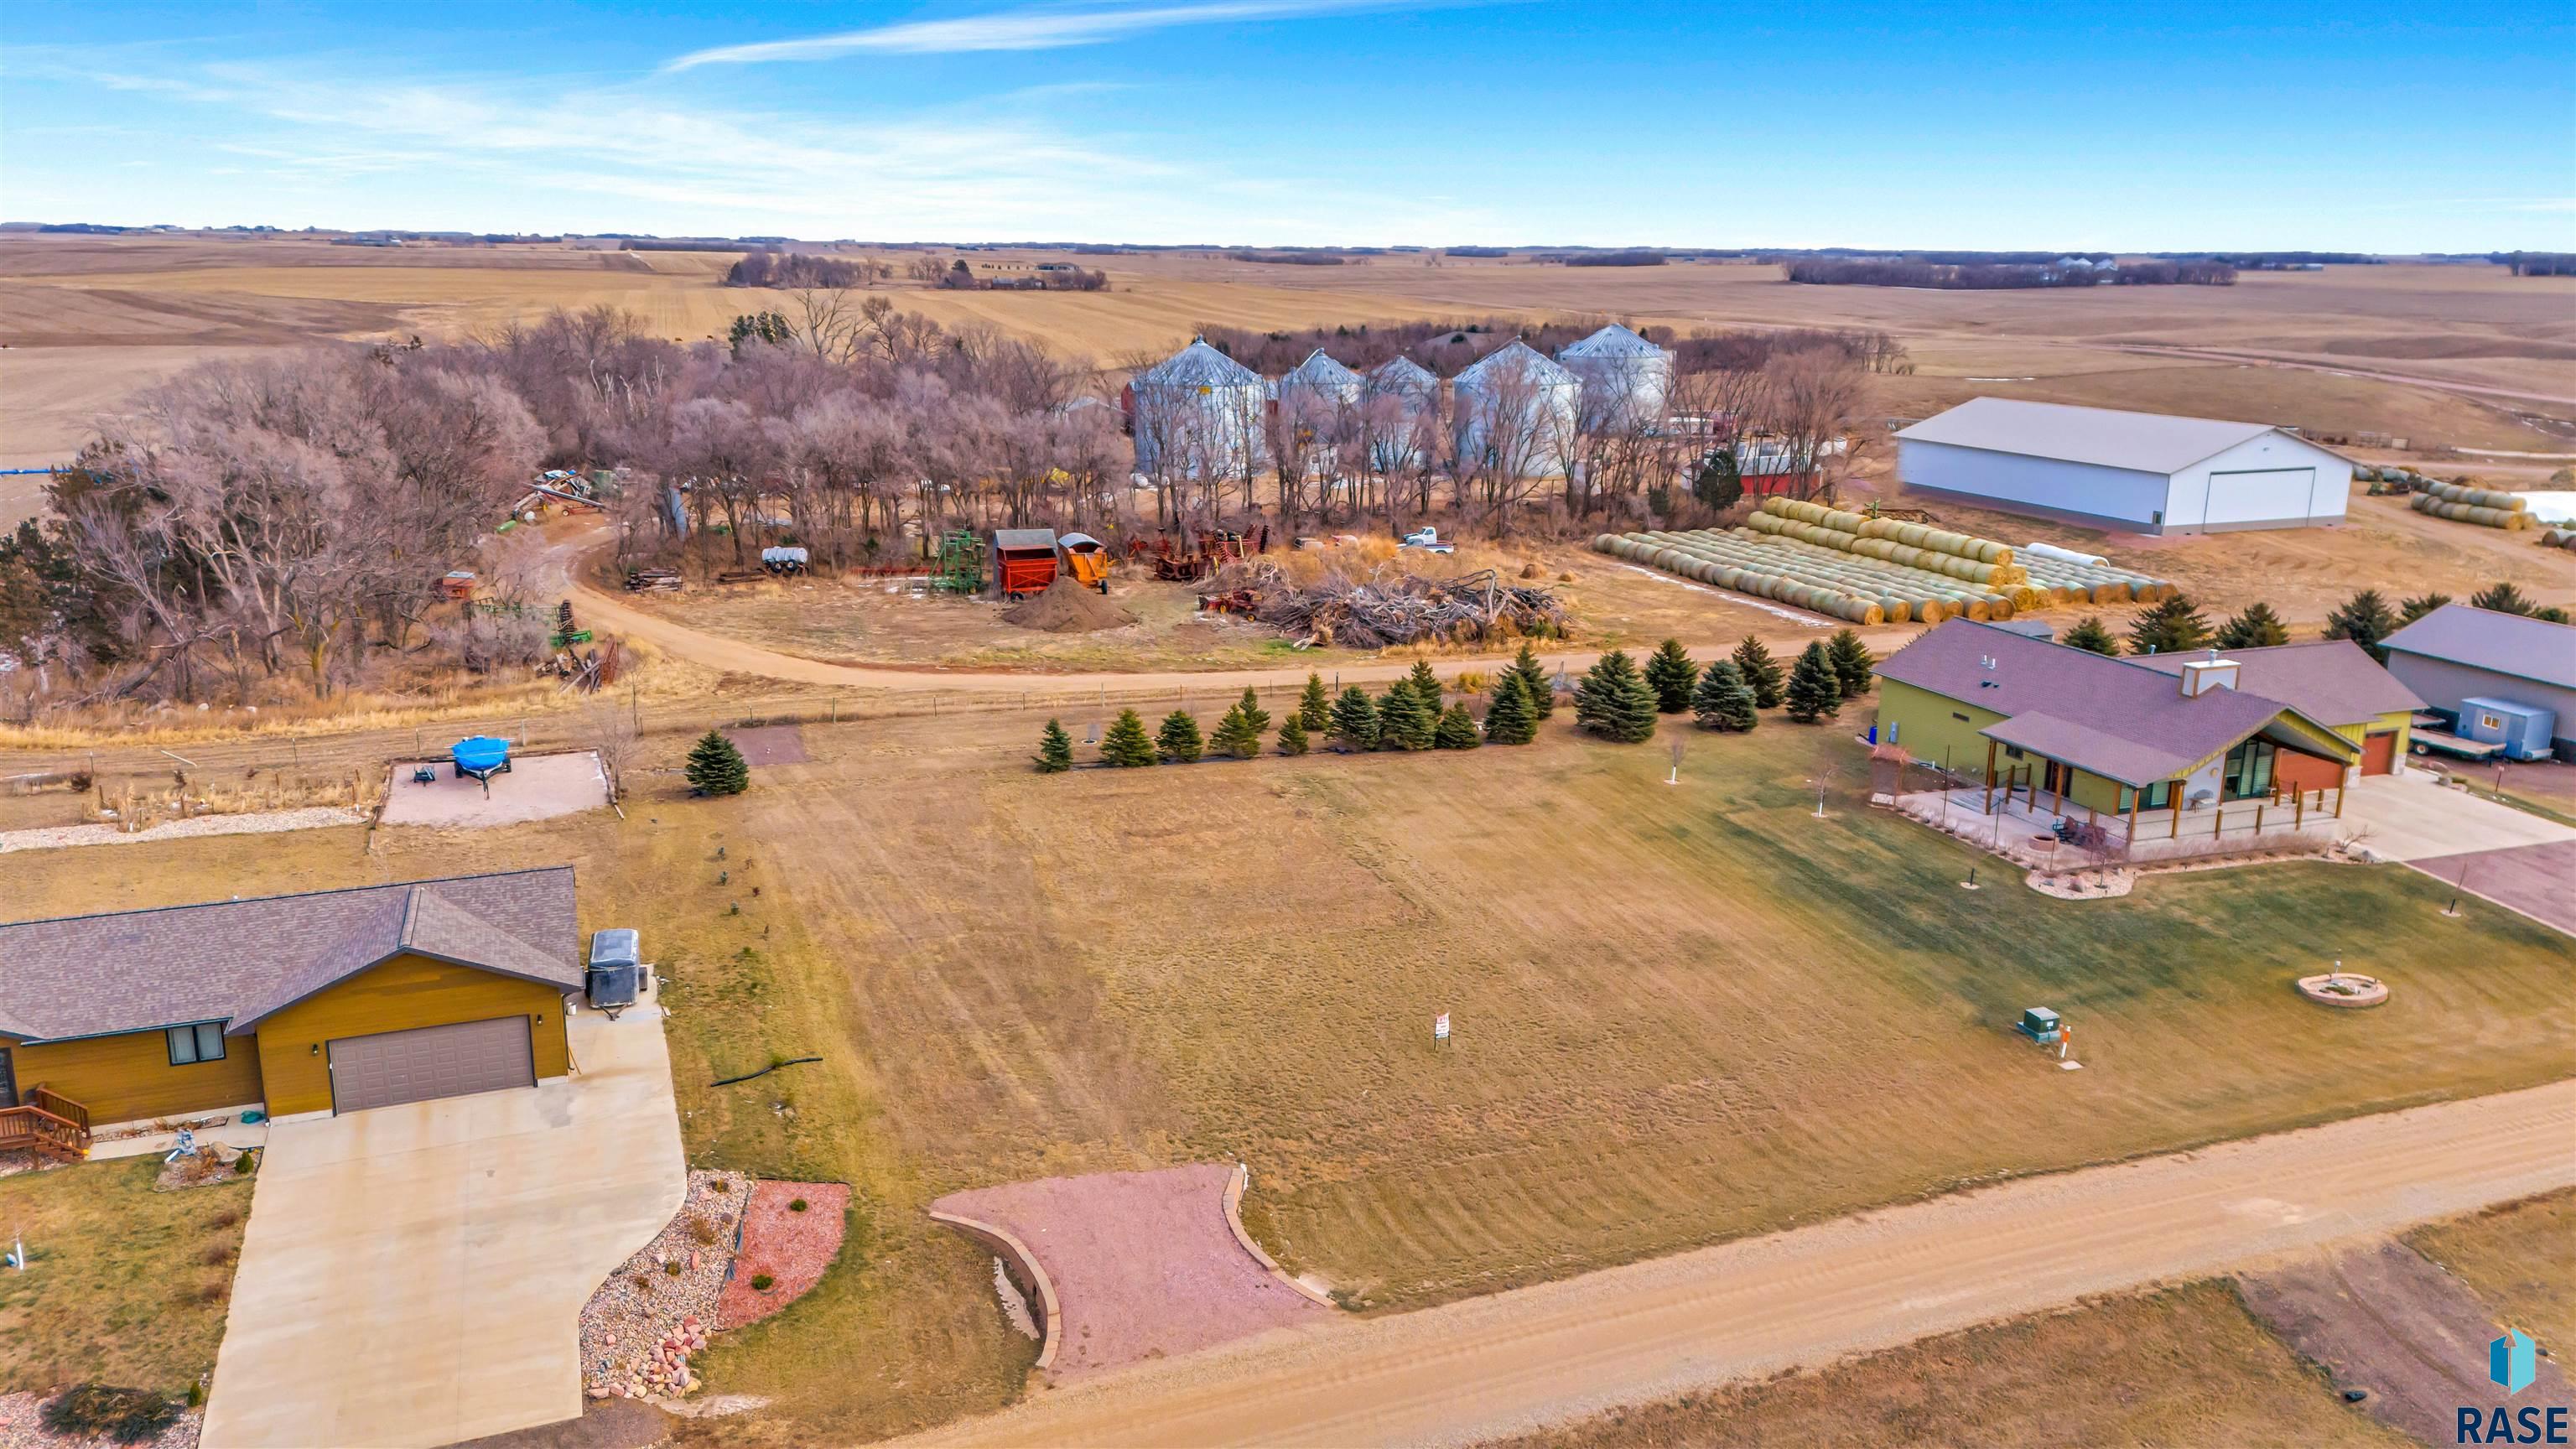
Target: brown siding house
296	1004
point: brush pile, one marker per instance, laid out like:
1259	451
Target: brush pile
1387	609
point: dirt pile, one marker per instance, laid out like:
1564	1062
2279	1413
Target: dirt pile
1068	608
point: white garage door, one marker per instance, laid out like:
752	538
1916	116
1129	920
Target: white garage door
430	1061
2269	496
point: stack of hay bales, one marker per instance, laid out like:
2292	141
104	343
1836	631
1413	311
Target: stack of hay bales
2558	538
1870	570
2486	507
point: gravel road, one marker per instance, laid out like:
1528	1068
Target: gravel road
1510	1362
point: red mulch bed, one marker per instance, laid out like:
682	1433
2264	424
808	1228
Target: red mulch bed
793	1248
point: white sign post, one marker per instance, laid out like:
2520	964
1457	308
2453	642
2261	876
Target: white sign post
1440	1028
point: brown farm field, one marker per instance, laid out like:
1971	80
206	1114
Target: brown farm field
2441	355
1684	1014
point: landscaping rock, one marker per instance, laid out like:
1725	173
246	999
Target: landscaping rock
639	1330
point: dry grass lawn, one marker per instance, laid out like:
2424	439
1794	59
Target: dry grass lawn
2185	1366
1683	1014
2521	1258
124	1285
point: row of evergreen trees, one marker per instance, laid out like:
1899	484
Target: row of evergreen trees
1615	700
1619	701
2366	619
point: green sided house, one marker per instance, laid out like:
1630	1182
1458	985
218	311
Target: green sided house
2083	733
336	1001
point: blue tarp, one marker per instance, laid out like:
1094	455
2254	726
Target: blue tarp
480	754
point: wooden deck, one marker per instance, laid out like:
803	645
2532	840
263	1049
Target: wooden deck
48	1123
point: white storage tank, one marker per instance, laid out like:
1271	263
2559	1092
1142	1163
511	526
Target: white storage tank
1198	413
1625	378
1518	407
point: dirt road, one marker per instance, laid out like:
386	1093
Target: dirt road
716	651
1490	1366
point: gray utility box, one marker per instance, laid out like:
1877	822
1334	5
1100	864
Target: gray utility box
615	972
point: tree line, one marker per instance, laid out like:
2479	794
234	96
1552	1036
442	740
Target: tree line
1989	276
2178	625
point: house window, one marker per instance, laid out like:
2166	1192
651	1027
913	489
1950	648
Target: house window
2013	750
203	1042
1961	718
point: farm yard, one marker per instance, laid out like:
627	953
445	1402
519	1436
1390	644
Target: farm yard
1682	1013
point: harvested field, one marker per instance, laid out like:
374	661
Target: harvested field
1683	1014
1144	1264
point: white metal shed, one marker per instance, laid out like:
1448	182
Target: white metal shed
2137	472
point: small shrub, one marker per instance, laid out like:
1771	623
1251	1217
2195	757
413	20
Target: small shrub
671	1269
760	1282
701	1231
224	1219
212	1291
217	1254
796	1205
246	1164
122	1416
643	1282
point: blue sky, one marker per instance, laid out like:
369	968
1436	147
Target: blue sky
2365	126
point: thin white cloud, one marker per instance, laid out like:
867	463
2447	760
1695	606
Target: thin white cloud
1024	29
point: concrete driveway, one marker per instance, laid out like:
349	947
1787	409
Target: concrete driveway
414	1275
2411	818
2510	857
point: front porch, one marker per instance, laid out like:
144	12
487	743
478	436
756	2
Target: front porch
2042	831
48	1124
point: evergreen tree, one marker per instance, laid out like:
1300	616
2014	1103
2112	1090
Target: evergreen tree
1854	666
1292	735
2172	626
2088	634
1815	693
1670	673
1253	713
2502	597
1709	696
1509	720
2364	619
1127	745
2254	627
2420	605
1457	730
715	767
1235	736
1614	702
1314	708
1055	750
1762	673
1179	737
1404	722
1534	682
1426	685
1355	720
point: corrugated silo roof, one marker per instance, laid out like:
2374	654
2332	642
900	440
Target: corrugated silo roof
1198	365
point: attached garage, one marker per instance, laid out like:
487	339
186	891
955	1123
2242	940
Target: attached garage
428	1062
2379	753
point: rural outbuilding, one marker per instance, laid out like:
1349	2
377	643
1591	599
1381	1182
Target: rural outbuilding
2457	653
2136	472
1024	561
313	1004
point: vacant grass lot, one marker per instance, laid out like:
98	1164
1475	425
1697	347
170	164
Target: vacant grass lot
124	1285
2520	1257
1683	1013
2184	1366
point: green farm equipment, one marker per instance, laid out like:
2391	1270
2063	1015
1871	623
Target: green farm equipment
961	563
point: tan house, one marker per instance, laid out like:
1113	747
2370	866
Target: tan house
335	1001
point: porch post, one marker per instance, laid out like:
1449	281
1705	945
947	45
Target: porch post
2338	799
1990	778
2134	794
2299	811
2173	802
2258	817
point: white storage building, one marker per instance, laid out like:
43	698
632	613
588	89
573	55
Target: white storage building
2136	472
1625	378
1198	412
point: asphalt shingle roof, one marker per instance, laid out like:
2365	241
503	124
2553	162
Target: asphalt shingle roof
2114	717
236	961
2331	681
2514	644
2148	442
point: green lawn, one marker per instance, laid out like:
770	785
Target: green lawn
124	1285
